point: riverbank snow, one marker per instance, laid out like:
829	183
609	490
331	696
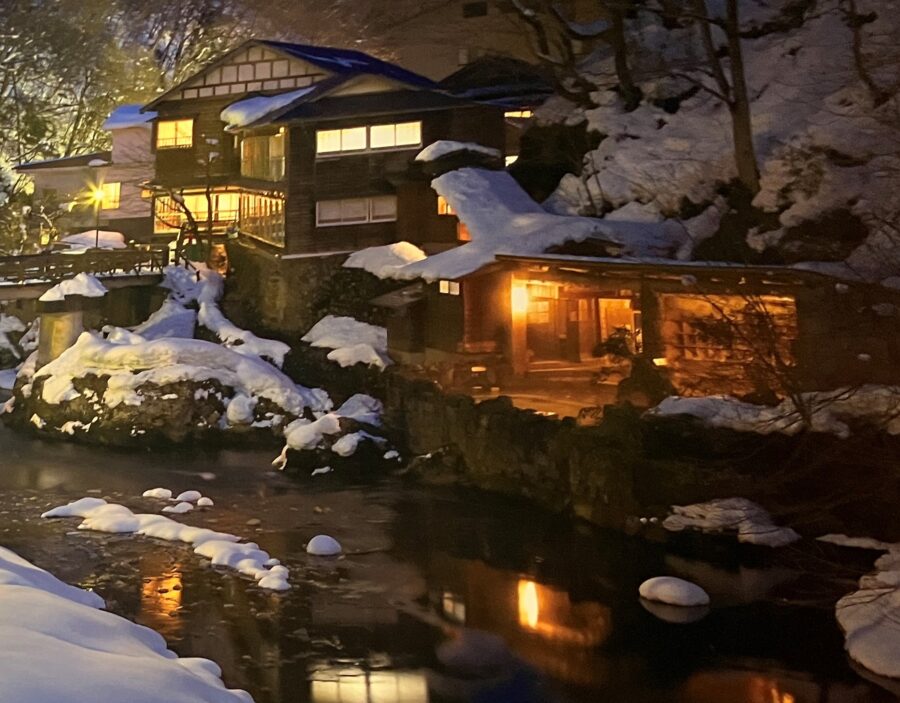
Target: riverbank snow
751	522
221	548
58	645
830	412
673	591
171	320
351	341
870	617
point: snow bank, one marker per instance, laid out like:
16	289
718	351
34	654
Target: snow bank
221	548
673	591
385	261
90	240
128	116
165	361
92	655
83	284
351	341
171	320
830	411
362	408
870	617
445	147
750	521
243	113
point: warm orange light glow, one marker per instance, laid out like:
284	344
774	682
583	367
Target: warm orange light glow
660	361
519	298
529	604
96	195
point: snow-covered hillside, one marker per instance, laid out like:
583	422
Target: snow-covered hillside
826	127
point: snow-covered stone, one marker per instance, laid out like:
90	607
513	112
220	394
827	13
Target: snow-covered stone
673	591
350	340
95	656
751	523
323	546
189	496
178	509
205	502
385	261
159	493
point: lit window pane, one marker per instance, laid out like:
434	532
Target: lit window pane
329	211
409	133
175	133
384	208
444	286
328	141
382	136
355	210
111	196
353	139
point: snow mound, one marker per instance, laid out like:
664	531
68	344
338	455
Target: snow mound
189	496
323	546
44	620
830	411
221	548
870	617
362	408
179	509
205	502
385	261
673	591
159	493
351	341
83	284
165	361
750	521
92	240
171	320
444	147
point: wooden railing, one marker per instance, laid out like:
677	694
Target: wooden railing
38	268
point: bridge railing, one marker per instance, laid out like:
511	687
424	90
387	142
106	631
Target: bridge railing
56	267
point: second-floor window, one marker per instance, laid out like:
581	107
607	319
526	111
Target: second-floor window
175	134
400	135
112	193
263	157
356	211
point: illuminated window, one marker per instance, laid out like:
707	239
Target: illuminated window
262	217
518	114
375	137
170	216
175	134
354	211
443	207
111	196
454	607
449	287
511	159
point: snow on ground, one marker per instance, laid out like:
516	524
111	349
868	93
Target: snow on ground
245	112
362	408
750	521
870	617
92	239
351	341
221	548
830	411
385	261
171	320
58	645
857	542
165	361
8	379
82	284
673	591
445	147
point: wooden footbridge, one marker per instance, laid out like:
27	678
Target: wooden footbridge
29	276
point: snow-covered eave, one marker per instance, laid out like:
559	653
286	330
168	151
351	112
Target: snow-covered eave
795	273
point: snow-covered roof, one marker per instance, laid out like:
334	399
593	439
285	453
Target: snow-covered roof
444	147
501	218
126	116
80	161
385	261
244	113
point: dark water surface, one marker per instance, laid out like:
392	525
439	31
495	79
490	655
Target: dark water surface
420	565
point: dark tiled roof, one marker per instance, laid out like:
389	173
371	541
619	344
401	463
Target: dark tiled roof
370	104
66	162
503	80
349	61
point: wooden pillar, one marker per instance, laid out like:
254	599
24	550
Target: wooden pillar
59	330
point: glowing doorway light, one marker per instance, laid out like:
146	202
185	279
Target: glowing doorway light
529	604
519	298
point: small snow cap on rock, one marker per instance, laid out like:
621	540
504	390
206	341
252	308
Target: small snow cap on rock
323	546
178	509
160	493
673	591
189	496
205	502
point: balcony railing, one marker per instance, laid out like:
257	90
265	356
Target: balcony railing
60	266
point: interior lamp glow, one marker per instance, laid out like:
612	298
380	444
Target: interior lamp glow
519	299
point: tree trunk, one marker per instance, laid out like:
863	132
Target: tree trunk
631	94
741	120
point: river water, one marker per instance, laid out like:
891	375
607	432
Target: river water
421	566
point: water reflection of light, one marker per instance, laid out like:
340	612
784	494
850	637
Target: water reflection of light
716	686
549	613
160	601
355	685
